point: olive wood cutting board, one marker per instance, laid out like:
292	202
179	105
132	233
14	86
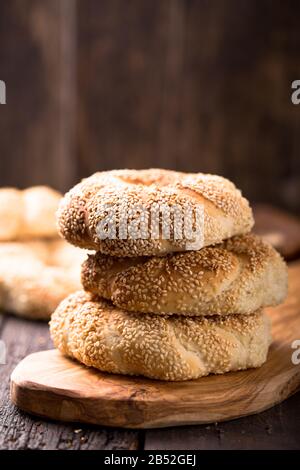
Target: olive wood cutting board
49	385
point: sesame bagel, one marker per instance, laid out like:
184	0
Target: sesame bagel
224	211
36	276
28	213
238	276
100	335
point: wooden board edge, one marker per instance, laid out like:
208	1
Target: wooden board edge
31	398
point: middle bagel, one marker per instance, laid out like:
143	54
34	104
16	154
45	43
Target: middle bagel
240	275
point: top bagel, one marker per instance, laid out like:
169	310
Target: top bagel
107	197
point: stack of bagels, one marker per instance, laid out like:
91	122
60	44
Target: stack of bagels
151	306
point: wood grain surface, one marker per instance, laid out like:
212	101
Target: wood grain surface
18	430
279	228
192	85
185	84
276	428
37	63
49	385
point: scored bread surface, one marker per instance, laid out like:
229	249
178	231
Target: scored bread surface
97	334
238	276
225	211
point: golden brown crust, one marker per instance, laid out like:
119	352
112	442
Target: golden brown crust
98	334
238	276
226	212
36	276
29	213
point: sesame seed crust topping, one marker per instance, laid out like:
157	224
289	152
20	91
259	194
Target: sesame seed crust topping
226	212
96	333
240	275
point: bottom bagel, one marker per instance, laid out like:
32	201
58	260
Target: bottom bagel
100	335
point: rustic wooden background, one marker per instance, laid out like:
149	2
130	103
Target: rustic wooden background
196	85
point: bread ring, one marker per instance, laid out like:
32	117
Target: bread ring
97	334
28	214
225	211
238	276
36	276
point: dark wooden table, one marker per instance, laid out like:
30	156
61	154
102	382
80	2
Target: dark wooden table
277	428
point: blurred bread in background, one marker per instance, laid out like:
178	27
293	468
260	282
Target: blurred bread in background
28	213
37	269
36	276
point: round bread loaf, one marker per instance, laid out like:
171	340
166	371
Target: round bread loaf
36	276
238	276
131	199
28	214
100	335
